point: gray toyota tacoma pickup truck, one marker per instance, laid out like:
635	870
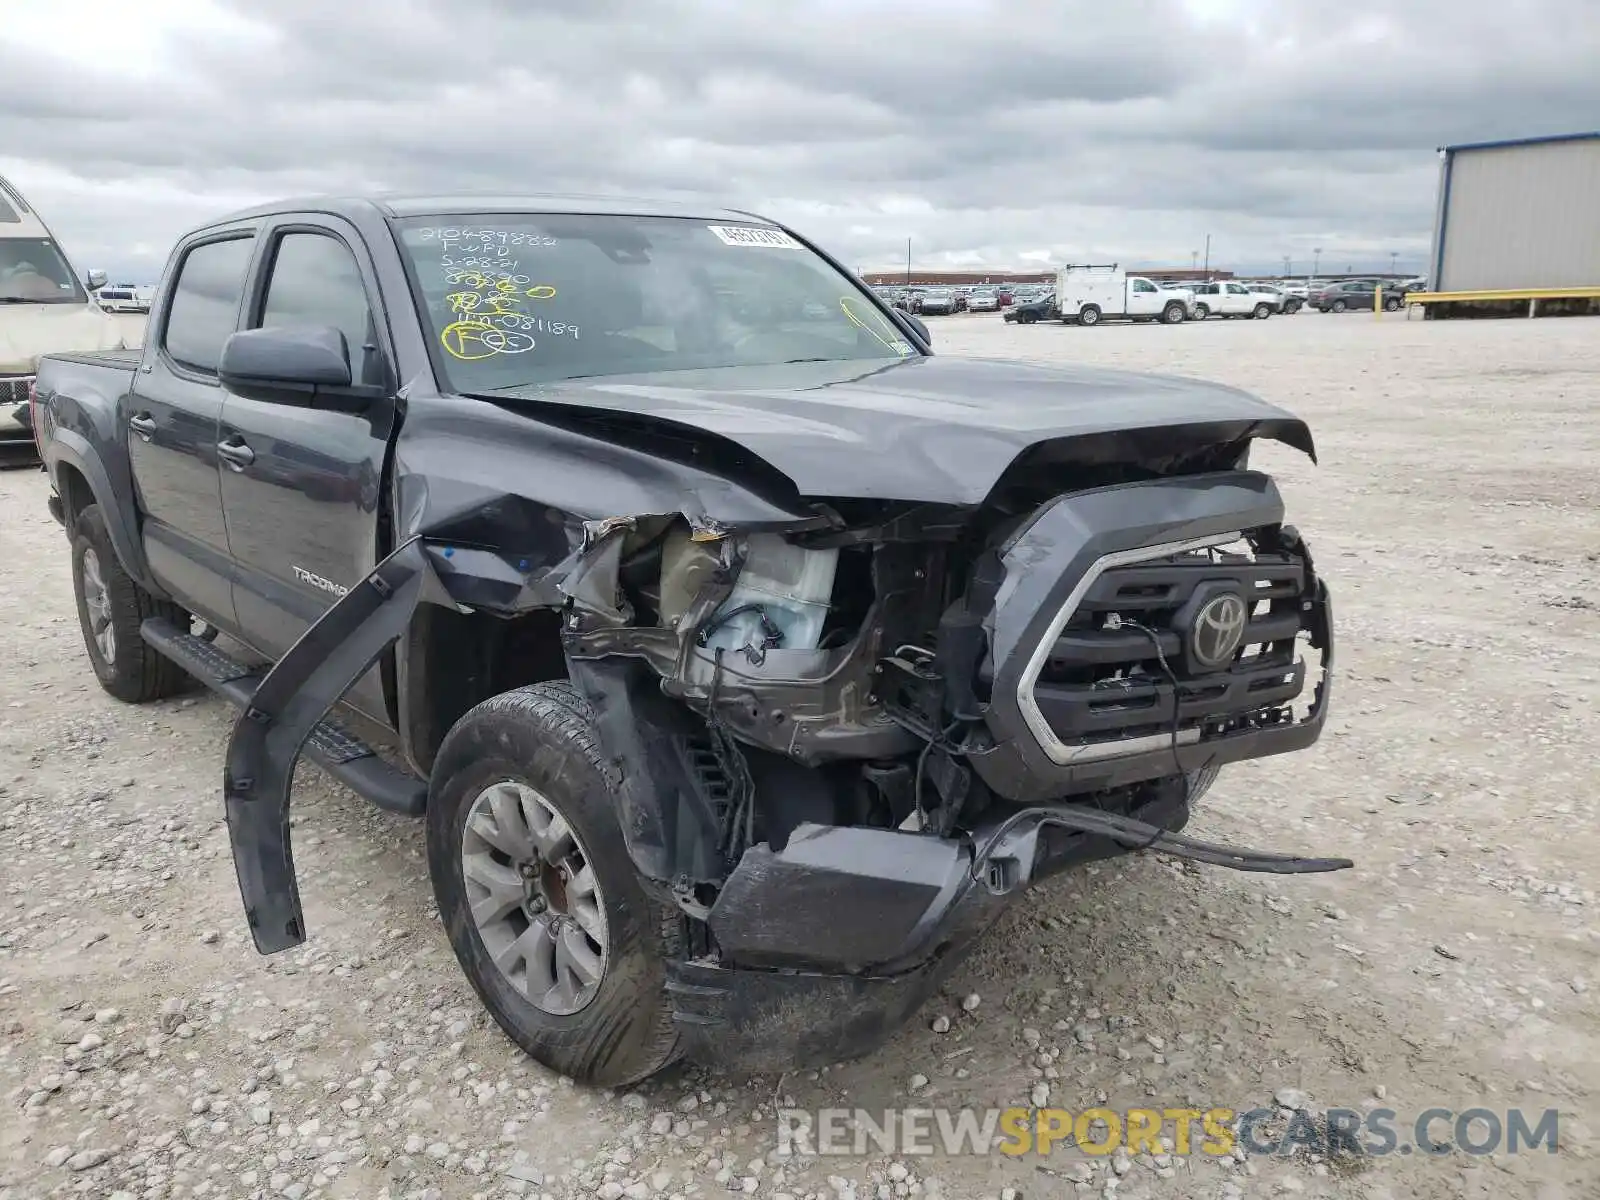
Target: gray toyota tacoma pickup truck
742	658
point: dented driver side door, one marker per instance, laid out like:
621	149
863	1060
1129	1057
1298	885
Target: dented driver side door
301	482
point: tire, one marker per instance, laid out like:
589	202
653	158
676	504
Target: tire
1262	312
1338	306
1201	312
617	1028
1172	314
111	607
1392	304
1026	318
1088	315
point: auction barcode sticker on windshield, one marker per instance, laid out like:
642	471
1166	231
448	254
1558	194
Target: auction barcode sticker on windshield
750	235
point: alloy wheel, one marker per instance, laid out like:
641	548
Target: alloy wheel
534	897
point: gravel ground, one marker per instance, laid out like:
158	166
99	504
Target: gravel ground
147	1051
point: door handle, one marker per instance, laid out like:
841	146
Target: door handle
235	453
143	424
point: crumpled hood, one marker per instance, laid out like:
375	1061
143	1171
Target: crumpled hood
29	330
940	429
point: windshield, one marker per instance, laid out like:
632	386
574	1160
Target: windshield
32	270
536	298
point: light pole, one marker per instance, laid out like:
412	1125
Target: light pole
908	262
1316	262
1194	260
1286	271
1208	256
1394	257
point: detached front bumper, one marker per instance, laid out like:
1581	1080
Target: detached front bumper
830	945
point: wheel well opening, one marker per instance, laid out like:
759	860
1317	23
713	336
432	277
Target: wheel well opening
457	660
76	495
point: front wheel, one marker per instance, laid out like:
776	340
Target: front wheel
538	894
1172	314
111	607
1392	304
1201	312
1338	306
1089	315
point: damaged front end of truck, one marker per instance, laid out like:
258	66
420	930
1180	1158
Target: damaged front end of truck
848	730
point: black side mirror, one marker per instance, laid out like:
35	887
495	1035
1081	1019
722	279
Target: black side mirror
294	364
913	323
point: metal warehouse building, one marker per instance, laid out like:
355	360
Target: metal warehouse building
1519	217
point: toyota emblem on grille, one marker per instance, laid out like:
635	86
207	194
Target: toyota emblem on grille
1218	630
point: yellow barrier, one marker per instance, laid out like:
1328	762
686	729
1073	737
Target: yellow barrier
1377	301
1579	293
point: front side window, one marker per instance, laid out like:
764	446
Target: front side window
315	281
1141	285
533	298
32	271
205	302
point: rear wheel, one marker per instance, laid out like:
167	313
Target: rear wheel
111	607
1089	315
1262	312
538	894
1172	314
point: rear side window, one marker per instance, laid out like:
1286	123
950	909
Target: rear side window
205	302
315	281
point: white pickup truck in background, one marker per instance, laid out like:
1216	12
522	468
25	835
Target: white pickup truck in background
1090	294
1230	299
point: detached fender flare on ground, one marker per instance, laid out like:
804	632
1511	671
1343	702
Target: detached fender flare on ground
267	738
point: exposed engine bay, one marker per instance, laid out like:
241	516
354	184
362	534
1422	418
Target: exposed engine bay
844	674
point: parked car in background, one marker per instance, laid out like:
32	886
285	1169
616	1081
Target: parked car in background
1226	298
937	302
1283	301
984	300
1353	295
123	297
44	308
1028	312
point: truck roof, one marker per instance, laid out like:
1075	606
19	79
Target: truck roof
421	205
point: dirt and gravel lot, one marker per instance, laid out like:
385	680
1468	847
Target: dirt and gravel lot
147	1051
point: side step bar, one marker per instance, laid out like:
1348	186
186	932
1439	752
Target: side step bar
341	754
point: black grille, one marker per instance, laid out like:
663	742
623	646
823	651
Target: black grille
14	389
1122	667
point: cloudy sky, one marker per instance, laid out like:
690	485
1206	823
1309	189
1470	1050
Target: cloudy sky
1006	134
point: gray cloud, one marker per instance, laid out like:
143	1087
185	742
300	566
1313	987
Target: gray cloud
988	132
